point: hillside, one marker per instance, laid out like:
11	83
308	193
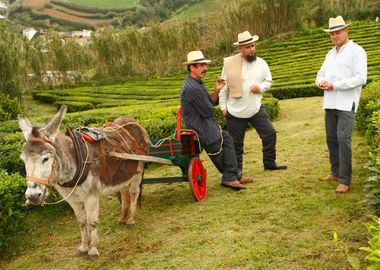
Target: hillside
294	63
200	9
77	14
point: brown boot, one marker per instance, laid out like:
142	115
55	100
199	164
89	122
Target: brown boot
341	188
235	185
328	178
246	180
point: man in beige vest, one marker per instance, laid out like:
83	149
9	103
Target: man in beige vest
247	78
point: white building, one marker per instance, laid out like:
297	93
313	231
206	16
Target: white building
82	34
29	33
2	17
2	5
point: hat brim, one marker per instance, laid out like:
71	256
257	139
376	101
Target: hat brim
204	61
252	40
336	29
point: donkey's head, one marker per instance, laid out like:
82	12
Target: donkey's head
38	154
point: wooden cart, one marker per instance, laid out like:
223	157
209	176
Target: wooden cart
181	149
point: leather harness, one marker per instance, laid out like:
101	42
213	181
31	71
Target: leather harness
81	153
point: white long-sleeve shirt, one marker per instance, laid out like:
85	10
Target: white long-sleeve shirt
248	105
347	71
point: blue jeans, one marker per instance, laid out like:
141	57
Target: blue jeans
339	128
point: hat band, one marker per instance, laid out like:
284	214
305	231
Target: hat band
244	41
197	60
336	26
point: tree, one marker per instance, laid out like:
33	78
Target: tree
12	70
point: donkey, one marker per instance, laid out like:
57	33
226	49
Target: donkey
51	158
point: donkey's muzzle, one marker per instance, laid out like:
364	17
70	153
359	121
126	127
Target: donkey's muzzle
33	197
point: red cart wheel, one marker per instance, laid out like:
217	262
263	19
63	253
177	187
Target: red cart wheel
197	178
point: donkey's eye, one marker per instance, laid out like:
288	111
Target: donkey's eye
45	159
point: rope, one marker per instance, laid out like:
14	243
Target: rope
221	143
76	184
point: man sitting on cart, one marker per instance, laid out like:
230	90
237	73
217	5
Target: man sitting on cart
198	114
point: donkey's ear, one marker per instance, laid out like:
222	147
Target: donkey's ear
52	128
25	126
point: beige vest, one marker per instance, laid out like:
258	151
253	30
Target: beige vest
233	69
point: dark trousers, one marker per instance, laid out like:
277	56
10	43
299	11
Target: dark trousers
225	160
263	126
339	128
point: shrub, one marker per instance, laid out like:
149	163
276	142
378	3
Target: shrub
75	106
372	185
369	103
374	245
9	108
373	128
10	150
12	207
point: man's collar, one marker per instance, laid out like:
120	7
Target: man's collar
191	78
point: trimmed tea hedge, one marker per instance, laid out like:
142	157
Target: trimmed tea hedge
12	207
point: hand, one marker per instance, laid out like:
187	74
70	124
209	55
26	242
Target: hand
325	85
255	89
224	112
220	83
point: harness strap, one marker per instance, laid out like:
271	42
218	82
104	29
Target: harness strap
39	180
36	139
82	169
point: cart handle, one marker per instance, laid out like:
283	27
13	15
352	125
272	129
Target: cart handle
179	123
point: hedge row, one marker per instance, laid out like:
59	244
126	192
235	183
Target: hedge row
368	122
88	9
12	208
294	64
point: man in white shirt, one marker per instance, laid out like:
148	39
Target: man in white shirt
341	77
247	78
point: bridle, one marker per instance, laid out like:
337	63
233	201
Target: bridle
48	181
40	180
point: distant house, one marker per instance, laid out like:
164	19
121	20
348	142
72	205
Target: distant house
81	34
29	33
2	17
2	5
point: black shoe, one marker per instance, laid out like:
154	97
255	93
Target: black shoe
275	167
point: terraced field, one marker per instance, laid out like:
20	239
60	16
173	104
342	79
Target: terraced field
294	63
107	4
85	12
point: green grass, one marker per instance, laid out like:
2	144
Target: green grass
200	9
107	4
284	220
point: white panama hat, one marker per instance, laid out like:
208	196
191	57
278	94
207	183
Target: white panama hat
246	38
195	57
336	24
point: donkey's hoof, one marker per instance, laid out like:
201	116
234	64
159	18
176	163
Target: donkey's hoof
80	253
131	226
121	222
92	256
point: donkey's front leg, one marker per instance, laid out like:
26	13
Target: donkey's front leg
80	214
92	212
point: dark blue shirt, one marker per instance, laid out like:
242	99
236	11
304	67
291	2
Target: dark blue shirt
198	110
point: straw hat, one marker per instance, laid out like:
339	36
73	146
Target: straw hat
246	38
195	57
336	24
